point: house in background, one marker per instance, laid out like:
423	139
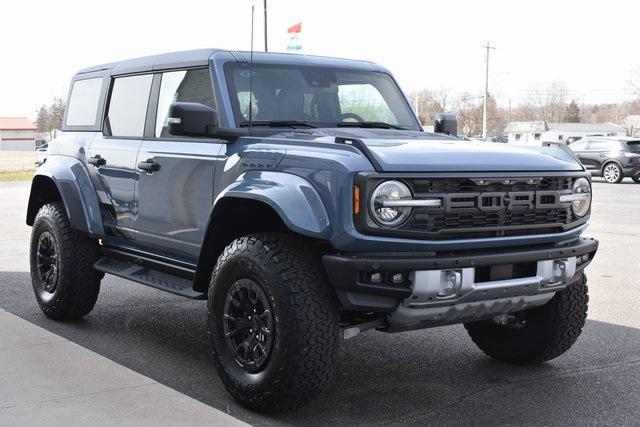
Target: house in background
632	124
17	134
537	132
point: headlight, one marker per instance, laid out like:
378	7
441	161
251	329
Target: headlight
583	188
390	191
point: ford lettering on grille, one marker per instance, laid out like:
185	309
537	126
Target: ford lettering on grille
496	201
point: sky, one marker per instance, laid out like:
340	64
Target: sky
591	46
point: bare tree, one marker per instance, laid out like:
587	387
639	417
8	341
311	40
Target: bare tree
49	119
56	114
547	101
634	81
468	108
429	103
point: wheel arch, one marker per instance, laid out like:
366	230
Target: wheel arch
608	161
260	202
65	179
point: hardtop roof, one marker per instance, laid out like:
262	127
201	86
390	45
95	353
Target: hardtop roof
201	57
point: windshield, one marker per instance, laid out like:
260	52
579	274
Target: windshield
317	97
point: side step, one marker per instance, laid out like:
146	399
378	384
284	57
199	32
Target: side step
149	277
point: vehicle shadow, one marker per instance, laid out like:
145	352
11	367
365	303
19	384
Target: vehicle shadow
435	376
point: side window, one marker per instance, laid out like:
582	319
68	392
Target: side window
182	86
600	146
128	106
83	102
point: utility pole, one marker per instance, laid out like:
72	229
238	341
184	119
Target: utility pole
265	27
486	91
509	116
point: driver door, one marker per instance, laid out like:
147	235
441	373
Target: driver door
175	185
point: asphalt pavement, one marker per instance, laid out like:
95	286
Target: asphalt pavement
435	376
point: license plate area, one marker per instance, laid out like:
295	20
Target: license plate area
492	273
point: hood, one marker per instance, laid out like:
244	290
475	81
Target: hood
409	151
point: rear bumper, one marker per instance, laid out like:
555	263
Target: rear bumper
348	274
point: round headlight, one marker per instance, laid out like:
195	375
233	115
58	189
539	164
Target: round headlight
390	191
581	207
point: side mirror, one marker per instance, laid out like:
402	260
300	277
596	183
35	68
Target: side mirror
446	123
192	119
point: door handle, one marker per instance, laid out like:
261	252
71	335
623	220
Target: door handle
96	161
149	166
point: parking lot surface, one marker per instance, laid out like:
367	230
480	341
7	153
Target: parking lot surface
435	376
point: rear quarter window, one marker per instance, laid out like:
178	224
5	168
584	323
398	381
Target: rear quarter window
84	102
633	145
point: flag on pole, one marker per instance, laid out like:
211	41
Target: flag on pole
294	37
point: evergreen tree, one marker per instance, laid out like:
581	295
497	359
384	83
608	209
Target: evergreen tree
572	113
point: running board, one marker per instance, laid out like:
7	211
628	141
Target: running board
149	277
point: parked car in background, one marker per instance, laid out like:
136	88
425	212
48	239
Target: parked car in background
613	158
41	153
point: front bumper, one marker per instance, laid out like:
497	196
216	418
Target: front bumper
486	282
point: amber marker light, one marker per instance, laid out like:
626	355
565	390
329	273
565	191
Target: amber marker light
356	200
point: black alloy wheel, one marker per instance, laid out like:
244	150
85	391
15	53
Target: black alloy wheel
248	325
47	261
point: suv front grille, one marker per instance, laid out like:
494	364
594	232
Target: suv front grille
472	213
424	187
474	221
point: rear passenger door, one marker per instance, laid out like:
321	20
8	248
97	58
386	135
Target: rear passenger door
111	158
176	199
599	152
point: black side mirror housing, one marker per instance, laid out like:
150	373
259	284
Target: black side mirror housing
446	123
192	119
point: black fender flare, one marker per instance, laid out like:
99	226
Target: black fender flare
73	184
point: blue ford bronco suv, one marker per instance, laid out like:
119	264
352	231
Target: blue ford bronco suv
302	199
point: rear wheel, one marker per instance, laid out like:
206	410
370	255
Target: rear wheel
273	321
538	334
64	280
612	173
636	179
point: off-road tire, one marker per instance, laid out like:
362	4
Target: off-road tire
78	283
549	331
306	328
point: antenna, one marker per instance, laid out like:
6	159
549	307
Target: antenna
251	77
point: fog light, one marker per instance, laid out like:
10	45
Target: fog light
397	278
450	282
560	269
374	277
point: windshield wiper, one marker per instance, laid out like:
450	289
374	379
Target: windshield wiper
380	125
279	123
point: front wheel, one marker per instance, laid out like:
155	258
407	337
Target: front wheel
274	322
612	173
538	334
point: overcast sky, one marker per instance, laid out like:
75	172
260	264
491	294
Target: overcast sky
589	45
